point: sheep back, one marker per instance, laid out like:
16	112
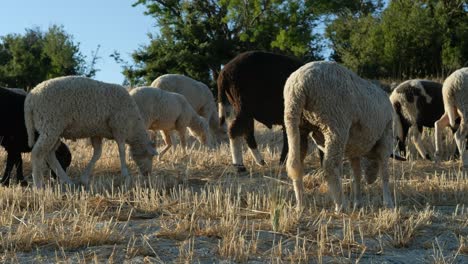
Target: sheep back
196	93
336	96
255	80
79	107
161	109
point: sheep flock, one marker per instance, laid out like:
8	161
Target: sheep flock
323	100
361	134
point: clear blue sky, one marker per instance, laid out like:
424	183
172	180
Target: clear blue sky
113	24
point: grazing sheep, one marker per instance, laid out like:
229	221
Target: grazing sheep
167	111
253	83
14	138
455	97
348	116
198	95
78	107
418	104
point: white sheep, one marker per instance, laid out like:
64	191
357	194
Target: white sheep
455	96
167	111
198	95
348	116
78	107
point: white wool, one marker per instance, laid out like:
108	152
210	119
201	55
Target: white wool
197	94
352	118
455	94
167	111
78	107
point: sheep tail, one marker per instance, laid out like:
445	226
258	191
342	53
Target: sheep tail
448	93
451	109
294	104
222	98
222	114
29	122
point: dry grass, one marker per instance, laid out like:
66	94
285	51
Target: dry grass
195	208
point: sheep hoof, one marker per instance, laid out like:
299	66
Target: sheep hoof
240	167
6	183
24	183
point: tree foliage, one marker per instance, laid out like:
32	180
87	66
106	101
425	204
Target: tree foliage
197	37
408	39
26	60
378	39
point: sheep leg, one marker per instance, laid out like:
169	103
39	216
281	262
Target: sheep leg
296	172
379	156
252	143
235	145
284	151
237	129
416	138
96	142
63	156
402	148
333	167
55	166
123	163
460	139
387	197
356	166
11	159
19	171
168	140
41	150
304	143
438	126
183	141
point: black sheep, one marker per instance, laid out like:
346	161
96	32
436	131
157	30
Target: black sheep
14	138
253	83
418	104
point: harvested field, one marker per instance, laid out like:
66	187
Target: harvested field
196	209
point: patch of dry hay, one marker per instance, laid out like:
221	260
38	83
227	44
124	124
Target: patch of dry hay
194	207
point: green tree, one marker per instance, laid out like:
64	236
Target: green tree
197	37
452	17
408	39
26	60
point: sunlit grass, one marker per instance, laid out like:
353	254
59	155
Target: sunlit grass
194	207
